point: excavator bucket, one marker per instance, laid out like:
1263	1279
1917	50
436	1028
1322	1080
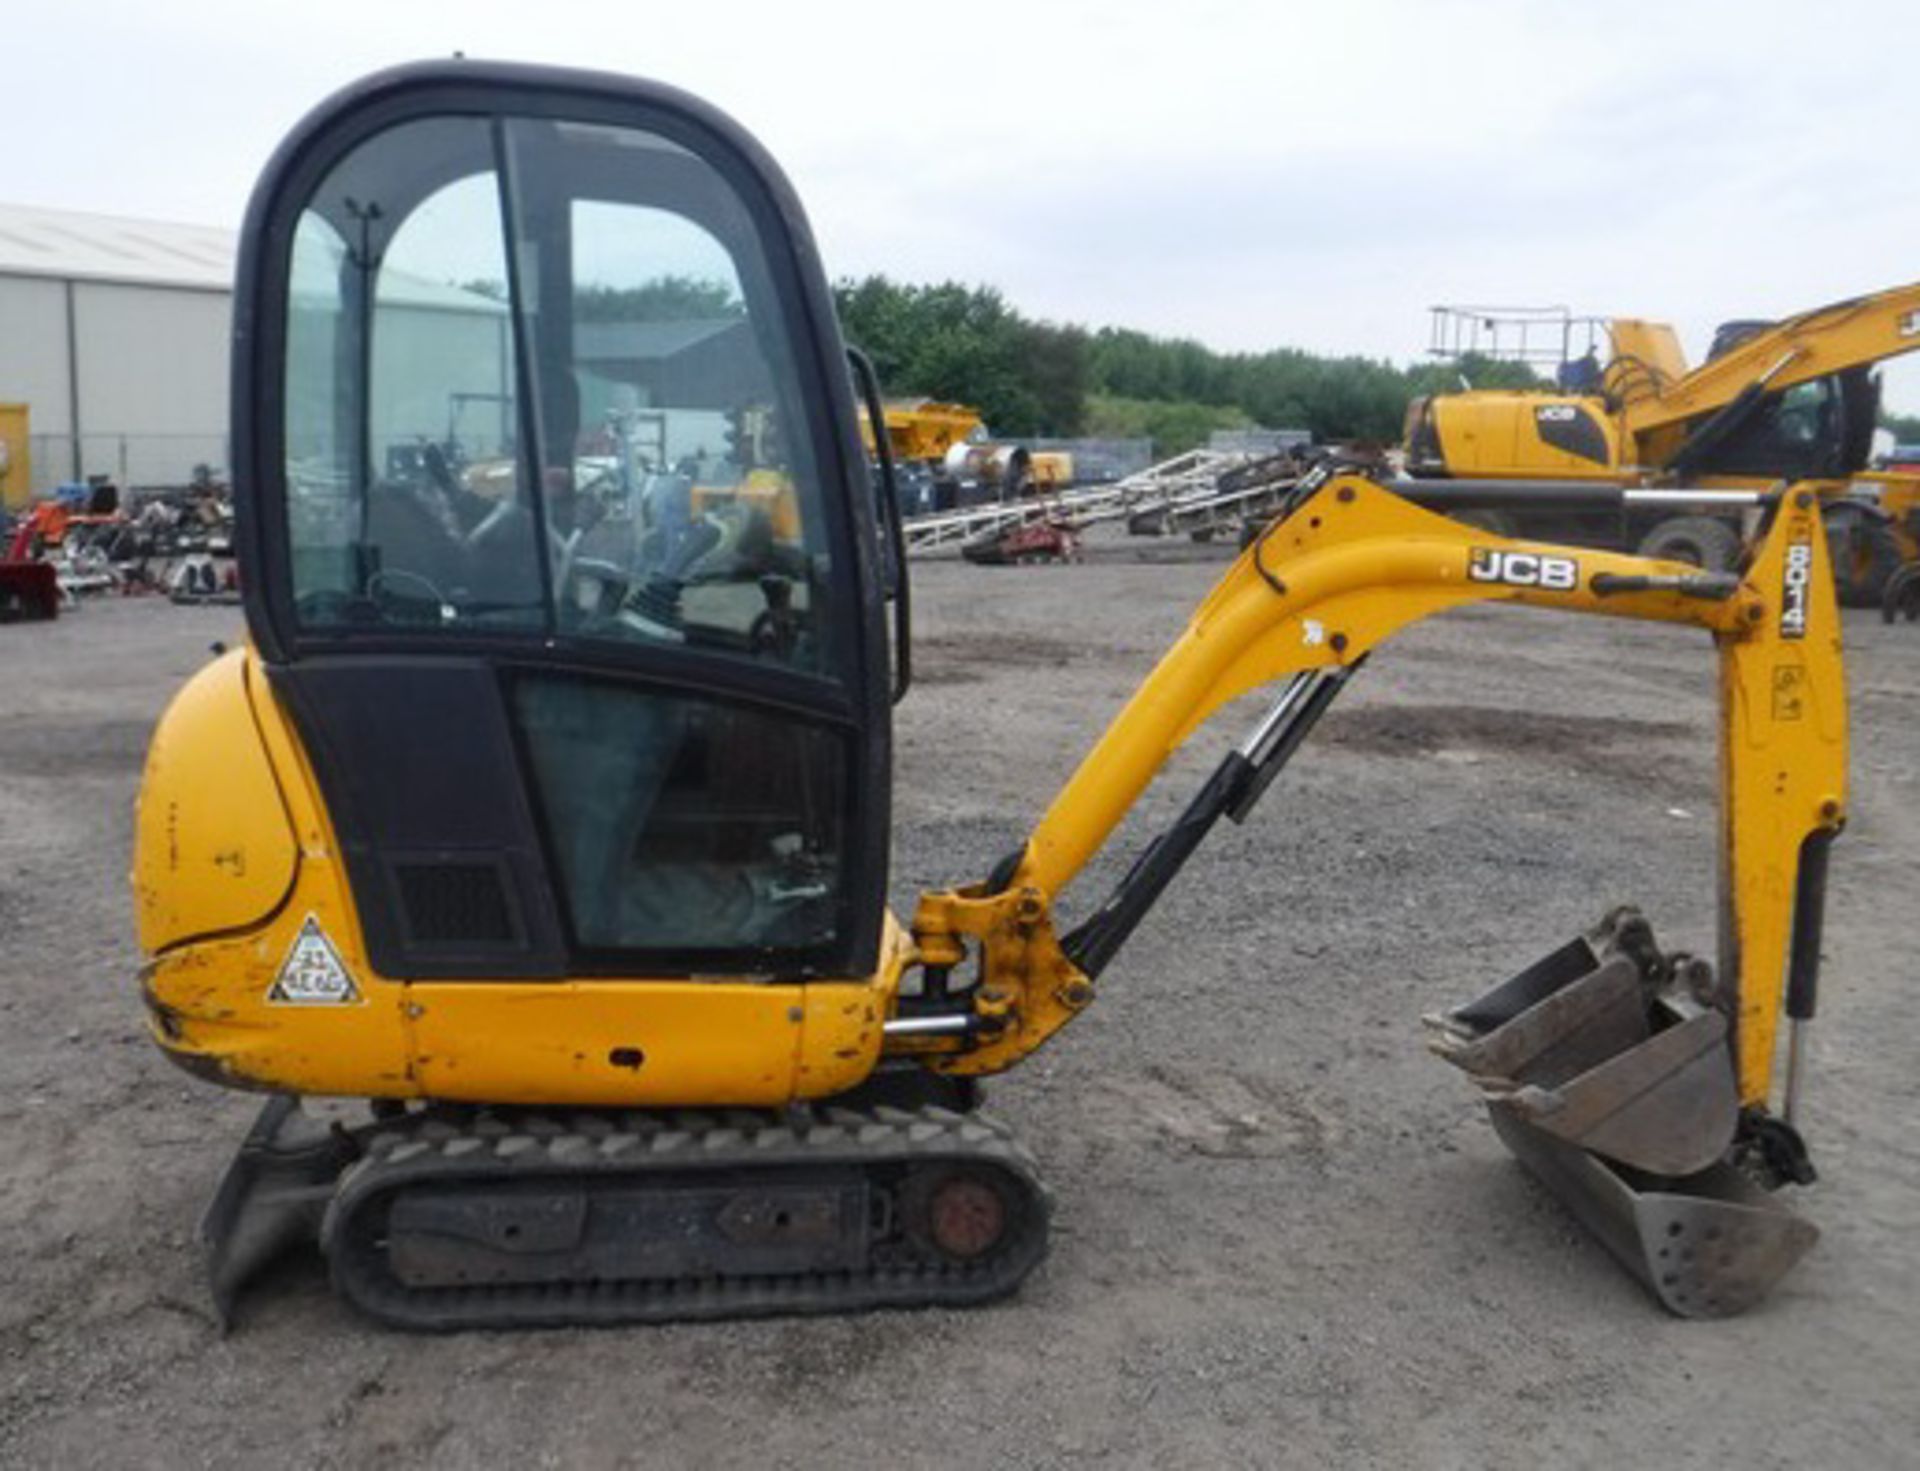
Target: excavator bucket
1614	1084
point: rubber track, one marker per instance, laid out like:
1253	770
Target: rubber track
616	1149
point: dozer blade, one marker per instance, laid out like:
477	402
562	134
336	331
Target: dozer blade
1708	1245
270	1199
1616	1087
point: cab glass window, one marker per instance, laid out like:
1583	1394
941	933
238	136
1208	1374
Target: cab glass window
404	508
539	381
681	493
1795	433
684	823
1803	414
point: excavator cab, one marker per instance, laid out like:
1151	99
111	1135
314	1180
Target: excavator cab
598	684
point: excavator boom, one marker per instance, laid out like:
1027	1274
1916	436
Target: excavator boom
1809	345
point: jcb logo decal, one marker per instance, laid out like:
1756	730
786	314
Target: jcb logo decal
1793	589
1523	569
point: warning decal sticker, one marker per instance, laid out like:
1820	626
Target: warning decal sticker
313	973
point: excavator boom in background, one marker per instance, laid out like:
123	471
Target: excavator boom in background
1793	400
1652	414
558	829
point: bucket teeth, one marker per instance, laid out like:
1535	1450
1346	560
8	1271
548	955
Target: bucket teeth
1570	1026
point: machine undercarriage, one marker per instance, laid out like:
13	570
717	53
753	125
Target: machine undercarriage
447	1218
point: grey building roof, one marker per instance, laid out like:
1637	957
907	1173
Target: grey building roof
93	247
70	245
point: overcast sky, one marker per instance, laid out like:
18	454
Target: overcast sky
1253	175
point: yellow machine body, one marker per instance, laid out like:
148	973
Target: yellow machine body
1504	434
925	428
237	856
16	457
928	432
1647	400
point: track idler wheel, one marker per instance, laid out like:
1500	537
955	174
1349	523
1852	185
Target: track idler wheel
962	1214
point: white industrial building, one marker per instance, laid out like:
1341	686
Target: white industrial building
113	333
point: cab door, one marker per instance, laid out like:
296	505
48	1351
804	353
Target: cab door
557	535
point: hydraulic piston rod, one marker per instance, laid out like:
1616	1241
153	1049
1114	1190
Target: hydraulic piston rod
1236	784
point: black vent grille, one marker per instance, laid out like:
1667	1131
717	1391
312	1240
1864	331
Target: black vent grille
455	904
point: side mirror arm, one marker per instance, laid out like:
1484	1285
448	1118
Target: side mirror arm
894	578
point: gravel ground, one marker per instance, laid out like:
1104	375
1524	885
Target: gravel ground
1285	1235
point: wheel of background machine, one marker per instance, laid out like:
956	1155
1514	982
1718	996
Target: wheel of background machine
1902	597
1710	545
1864	554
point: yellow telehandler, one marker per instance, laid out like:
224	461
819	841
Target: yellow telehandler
562	838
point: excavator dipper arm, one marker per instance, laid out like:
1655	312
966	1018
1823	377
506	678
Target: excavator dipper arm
1344	571
1690	1078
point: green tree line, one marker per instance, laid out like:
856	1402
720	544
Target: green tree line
1905	428
1028	377
967	344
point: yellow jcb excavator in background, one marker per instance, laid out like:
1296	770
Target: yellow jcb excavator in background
569	853
1793	400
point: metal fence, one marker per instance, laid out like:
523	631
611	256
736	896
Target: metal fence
131	461
1257	441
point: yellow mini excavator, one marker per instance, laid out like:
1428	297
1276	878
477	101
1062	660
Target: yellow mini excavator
555	824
